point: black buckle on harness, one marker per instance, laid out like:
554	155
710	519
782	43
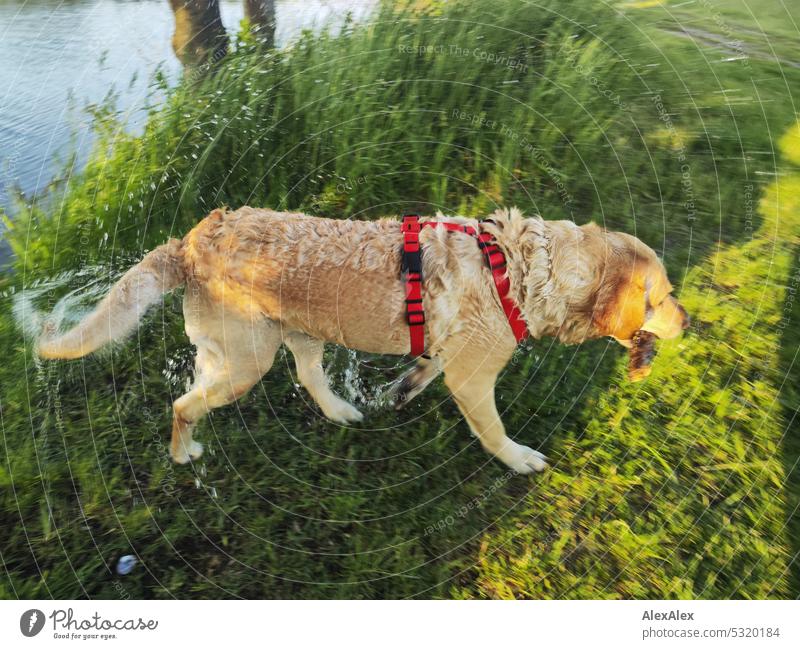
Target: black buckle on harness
411	260
412	263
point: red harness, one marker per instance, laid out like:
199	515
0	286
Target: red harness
412	269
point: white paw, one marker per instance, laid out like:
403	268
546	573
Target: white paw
522	459
342	412
185	453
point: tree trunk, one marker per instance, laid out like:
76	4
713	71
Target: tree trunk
199	37
261	15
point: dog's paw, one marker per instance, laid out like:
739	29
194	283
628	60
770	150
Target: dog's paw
524	460
410	384
185	453
343	413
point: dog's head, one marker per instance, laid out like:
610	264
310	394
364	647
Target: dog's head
635	293
581	282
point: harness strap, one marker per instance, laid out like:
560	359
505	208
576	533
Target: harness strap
412	270
496	261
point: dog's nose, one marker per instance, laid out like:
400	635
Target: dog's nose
686	319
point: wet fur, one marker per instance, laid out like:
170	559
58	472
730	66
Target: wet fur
256	279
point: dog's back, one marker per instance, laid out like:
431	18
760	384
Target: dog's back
295	269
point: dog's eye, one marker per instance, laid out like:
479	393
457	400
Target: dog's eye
665	298
659	303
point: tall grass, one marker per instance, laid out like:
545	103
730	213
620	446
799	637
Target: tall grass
459	108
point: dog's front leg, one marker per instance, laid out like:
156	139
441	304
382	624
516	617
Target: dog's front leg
473	389
415	380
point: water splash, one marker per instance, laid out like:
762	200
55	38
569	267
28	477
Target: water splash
353	385
87	285
179	369
364	380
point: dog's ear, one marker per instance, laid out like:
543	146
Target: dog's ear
620	306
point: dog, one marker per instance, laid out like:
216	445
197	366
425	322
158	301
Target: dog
257	278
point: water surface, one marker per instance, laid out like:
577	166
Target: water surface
60	56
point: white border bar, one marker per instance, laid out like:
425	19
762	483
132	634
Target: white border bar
405	624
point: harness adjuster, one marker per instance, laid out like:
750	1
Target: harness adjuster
411	223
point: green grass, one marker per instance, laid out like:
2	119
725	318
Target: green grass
682	486
764	29
665	488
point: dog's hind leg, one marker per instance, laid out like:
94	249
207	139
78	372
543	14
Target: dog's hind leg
415	380
229	362
307	353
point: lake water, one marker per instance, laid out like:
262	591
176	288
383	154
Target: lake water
60	56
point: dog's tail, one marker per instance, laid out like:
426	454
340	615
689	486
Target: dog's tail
119	312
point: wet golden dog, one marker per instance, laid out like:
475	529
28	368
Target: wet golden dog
256	279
